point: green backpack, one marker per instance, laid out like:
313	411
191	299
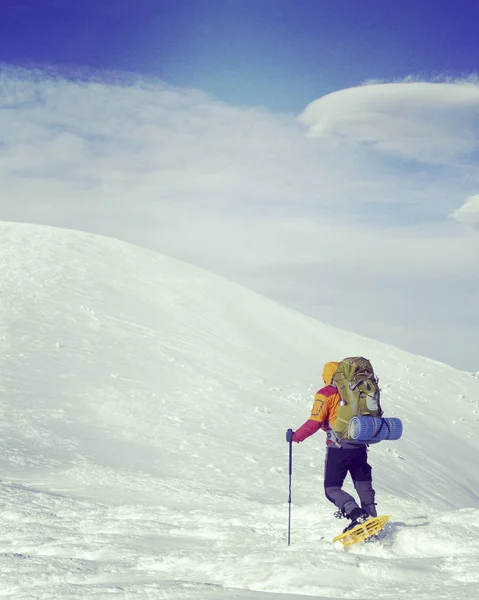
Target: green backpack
359	390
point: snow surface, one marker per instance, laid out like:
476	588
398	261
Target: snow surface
144	404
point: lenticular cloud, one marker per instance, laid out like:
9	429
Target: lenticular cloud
469	212
427	122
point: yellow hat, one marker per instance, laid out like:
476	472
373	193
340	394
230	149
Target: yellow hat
329	370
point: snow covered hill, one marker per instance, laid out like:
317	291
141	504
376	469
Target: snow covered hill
143	409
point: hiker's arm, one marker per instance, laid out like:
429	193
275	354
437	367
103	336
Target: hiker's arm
320	410
319	417
306	430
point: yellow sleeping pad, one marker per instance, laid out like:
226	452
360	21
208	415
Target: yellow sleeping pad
362	531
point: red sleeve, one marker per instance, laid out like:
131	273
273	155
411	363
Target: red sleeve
306	430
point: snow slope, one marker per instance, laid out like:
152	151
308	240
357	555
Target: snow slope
144	404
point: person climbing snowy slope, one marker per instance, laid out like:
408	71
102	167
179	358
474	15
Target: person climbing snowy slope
341	458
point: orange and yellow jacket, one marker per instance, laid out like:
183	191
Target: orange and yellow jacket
323	413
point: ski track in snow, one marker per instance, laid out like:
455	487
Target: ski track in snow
143	405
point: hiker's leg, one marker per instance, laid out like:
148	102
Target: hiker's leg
361	472
335	471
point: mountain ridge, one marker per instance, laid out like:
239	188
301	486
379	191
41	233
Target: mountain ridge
143	407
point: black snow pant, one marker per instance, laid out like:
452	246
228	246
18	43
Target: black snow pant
340	461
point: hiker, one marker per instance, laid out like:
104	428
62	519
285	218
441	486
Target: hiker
342	457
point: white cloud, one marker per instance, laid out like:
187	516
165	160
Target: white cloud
468	213
245	193
429	122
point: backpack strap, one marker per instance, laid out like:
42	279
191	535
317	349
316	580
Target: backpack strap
384	422
332	436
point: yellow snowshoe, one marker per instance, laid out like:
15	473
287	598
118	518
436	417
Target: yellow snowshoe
363	531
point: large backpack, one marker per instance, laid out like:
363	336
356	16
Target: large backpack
359	390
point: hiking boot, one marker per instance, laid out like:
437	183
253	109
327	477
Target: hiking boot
370	509
357	516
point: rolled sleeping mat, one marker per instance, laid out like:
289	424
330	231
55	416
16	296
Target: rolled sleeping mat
374	429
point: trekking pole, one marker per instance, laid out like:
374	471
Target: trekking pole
289	439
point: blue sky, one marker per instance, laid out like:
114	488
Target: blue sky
325	154
281	54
